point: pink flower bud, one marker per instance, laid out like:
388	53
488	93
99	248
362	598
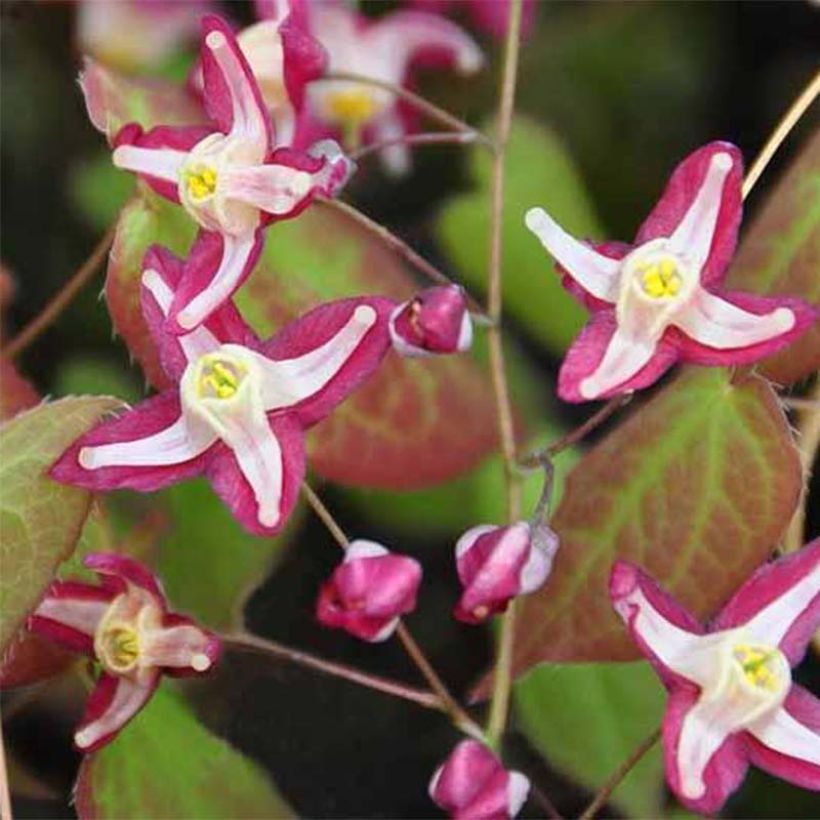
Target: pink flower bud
495	564
369	591
473	784
435	321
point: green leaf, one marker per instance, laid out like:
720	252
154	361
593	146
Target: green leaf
99	190
779	254
40	519
586	719
87	375
696	486
166	764
539	172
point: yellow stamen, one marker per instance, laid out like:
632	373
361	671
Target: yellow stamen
201	182
352	106
660	278
220	379
753	662
121	647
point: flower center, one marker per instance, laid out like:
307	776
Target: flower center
200	182
219	377
760	666
659	276
351	105
118	648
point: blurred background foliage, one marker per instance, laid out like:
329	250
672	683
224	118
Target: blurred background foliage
611	96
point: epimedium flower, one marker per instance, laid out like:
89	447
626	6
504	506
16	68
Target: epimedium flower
472	784
369	591
660	299
125	625
436	320
732	700
497	564
231	178
238	407
383	49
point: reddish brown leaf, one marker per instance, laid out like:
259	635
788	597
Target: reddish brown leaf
29	659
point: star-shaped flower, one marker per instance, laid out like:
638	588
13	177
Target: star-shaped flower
238	407
659	300
732	700
125	625
383	50
231	178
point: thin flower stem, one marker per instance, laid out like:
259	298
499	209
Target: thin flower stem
789	120
63	298
433	138
457	714
251	643
540	797
5	797
623	770
399	246
502	678
430	109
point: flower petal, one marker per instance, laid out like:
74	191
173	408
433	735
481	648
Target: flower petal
183	646
69	614
788	744
395	158
677	202
593	271
304	58
122	567
780	603
232	97
145	449
114	701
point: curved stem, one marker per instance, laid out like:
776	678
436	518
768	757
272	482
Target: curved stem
434	138
623	770
251	643
63	298
502	678
789	120
423	105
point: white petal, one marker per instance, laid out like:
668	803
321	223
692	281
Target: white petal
623	358
518	787
713	321
79	614
180	646
394	158
692	239
783	733
290	381
275	189
164	163
180	442
362	548
595	272
704	728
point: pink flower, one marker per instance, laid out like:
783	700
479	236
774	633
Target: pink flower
658	300
496	564
731	697
231	179
369	591
473	785
490	16
239	407
125	625
383	50
436	320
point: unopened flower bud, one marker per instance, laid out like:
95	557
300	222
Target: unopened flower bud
436	320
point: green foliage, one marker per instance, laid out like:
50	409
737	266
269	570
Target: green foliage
41	520
166	764
99	190
586	719
539	172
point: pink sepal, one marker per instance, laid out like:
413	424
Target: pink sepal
213	647
726	768
804	708
680	192
233	488
119	568
305	59
367	593
317	327
147	418
436	320
626	578
770	582
588	350
217	97
178	138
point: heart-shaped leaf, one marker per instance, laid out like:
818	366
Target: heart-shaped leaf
41	520
780	256
167	764
696	486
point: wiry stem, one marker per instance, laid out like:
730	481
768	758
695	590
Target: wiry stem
5	796
499	705
251	643
62	299
789	120
434	138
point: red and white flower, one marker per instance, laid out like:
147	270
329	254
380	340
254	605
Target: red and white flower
732	700
497	564
231	178
659	300
369	591
125	625
383	50
473	785
436	320
238	407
